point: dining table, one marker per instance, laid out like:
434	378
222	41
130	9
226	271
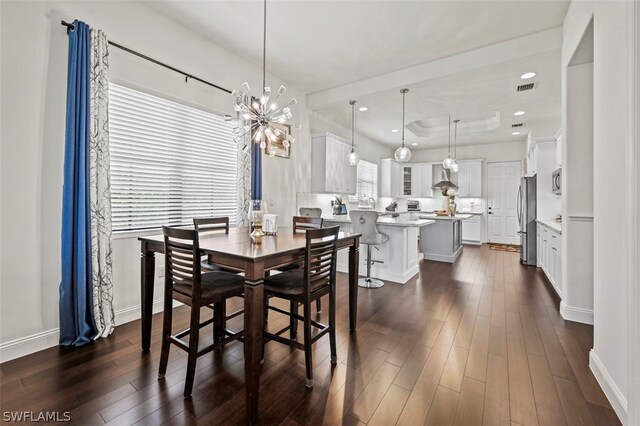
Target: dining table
236	250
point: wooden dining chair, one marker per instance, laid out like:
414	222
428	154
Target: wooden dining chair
316	279
185	283
210	225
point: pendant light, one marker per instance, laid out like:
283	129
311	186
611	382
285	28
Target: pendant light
454	166
403	154
353	158
448	162
260	116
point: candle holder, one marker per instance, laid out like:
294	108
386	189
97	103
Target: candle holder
257	210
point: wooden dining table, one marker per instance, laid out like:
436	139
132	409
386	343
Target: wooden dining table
236	250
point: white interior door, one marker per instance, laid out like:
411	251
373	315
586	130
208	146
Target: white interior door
503	182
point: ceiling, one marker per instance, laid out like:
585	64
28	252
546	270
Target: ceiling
471	96
324	48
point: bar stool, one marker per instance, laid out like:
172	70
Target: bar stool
310	211
364	222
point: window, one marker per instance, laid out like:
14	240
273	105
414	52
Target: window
169	162
367	180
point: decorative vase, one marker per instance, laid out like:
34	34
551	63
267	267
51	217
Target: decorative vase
452	206
257	210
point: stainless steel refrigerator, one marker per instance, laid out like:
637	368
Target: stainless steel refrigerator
527	220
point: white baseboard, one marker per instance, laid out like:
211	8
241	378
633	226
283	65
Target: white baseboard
572	313
612	392
46	339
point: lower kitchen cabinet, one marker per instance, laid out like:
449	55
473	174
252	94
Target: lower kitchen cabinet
549	250
472	230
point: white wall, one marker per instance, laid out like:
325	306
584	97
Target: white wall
33	113
612	142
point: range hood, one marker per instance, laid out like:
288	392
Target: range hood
445	182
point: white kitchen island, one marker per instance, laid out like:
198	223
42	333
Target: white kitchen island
442	242
398	257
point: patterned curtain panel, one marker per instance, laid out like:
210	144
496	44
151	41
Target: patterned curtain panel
244	181
100	186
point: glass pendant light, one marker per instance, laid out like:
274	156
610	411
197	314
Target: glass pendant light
448	162
403	154
454	167
260	116
353	158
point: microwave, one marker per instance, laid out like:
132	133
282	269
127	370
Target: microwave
556	182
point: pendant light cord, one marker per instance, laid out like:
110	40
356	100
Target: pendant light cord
353	122
455	139
403	95
449	136
264	48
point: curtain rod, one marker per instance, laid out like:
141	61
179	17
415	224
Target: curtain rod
187	76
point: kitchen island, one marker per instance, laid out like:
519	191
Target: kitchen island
442	241
397	259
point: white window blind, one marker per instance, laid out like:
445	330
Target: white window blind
367	180
169	162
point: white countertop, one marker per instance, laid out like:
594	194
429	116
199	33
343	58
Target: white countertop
436	217
383	221
551	224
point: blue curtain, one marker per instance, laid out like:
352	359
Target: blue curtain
77	324
256	171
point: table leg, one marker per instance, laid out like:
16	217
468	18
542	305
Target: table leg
354	262
147	275
253	325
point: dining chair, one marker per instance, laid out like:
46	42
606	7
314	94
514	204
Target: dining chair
316	279
300	225
185	283
310	211
210	225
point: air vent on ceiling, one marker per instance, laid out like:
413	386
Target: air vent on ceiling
525	87
517	125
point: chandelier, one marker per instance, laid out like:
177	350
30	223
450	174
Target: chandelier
403	154
260	116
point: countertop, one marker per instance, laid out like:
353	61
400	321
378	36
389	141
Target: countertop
551	224
436	217
385	221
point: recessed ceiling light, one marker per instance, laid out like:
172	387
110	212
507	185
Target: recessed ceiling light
363	109
414	144
518	113
528	75
515	133
394	131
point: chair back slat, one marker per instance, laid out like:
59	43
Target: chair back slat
212	224
303	223
320	256
182	259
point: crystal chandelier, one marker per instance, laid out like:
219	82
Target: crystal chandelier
260	116
448	162
353	158
454	167
403	154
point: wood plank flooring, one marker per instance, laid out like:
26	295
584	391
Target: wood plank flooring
477	342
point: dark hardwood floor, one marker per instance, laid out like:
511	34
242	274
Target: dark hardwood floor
477	342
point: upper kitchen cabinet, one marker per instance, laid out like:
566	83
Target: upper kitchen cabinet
559	152
469	179
405	180
330	171
391	178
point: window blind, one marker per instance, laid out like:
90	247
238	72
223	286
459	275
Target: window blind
169	162
367	180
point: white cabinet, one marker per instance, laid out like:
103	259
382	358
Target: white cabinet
330	171
471	230
549	252
421	181
469	179
559	152
391	178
